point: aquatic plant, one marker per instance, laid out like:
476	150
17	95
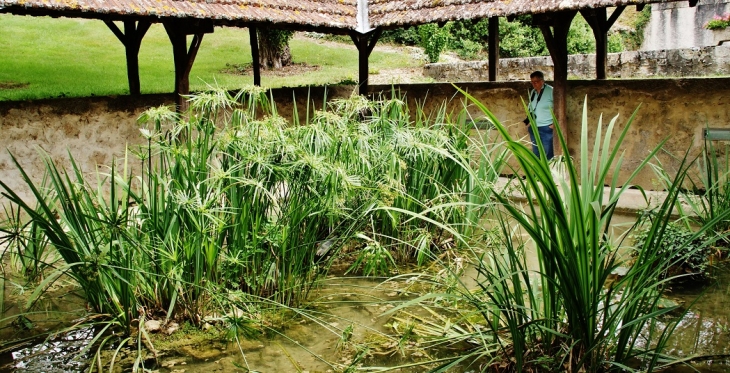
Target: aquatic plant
708	195
593	322
696	256
230	196
567	311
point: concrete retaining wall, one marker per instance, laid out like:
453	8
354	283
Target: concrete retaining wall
95	130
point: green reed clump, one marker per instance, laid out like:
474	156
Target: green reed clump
708	195
88	231
230	196
560	307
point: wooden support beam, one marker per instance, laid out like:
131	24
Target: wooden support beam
365	44
131	38
614	16
555	27
493	48
601	24
177	31
254	40
598	21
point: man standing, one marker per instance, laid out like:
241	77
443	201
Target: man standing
540	109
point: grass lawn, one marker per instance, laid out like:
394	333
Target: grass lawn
45	57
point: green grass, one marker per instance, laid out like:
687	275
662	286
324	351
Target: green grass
77	58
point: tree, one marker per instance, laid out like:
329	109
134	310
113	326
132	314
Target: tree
274	50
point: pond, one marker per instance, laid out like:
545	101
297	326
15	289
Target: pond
315	344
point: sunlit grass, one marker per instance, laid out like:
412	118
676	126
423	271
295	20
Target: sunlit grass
45	57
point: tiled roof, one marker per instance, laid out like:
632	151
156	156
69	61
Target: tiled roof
390	13
313	13
330	14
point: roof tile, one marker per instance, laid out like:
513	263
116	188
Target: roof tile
337	14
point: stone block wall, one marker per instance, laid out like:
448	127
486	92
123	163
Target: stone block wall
689	62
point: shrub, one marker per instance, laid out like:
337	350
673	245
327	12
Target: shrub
520	40
468	49
615	43
405	36
690	252
580	37
433	39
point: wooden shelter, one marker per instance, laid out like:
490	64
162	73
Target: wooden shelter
361	19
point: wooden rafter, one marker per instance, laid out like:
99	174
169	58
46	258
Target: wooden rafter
601	24
131	38
555	27
177	31
365	44
493	44
256	64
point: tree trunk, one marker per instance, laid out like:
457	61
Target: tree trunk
274	50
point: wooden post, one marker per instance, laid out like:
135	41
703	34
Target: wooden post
131	38
600	25
493	48
365	44
256	65
557	43
177	31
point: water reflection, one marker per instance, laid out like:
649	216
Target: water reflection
705	330
64	353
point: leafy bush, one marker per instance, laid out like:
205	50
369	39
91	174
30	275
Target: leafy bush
433	39
519	40
691	252
580	37
405	36
615	43
467	49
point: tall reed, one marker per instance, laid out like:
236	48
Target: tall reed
708	195
567	311
230	196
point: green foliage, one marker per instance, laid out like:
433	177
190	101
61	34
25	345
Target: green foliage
580	37
691	252
632	39
615	43
718	22
468	49
520	40
467	38
433	39
405	36
562	300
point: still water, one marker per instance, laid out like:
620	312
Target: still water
310	345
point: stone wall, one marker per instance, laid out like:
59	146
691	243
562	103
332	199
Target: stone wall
677	25
96	130
690	62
